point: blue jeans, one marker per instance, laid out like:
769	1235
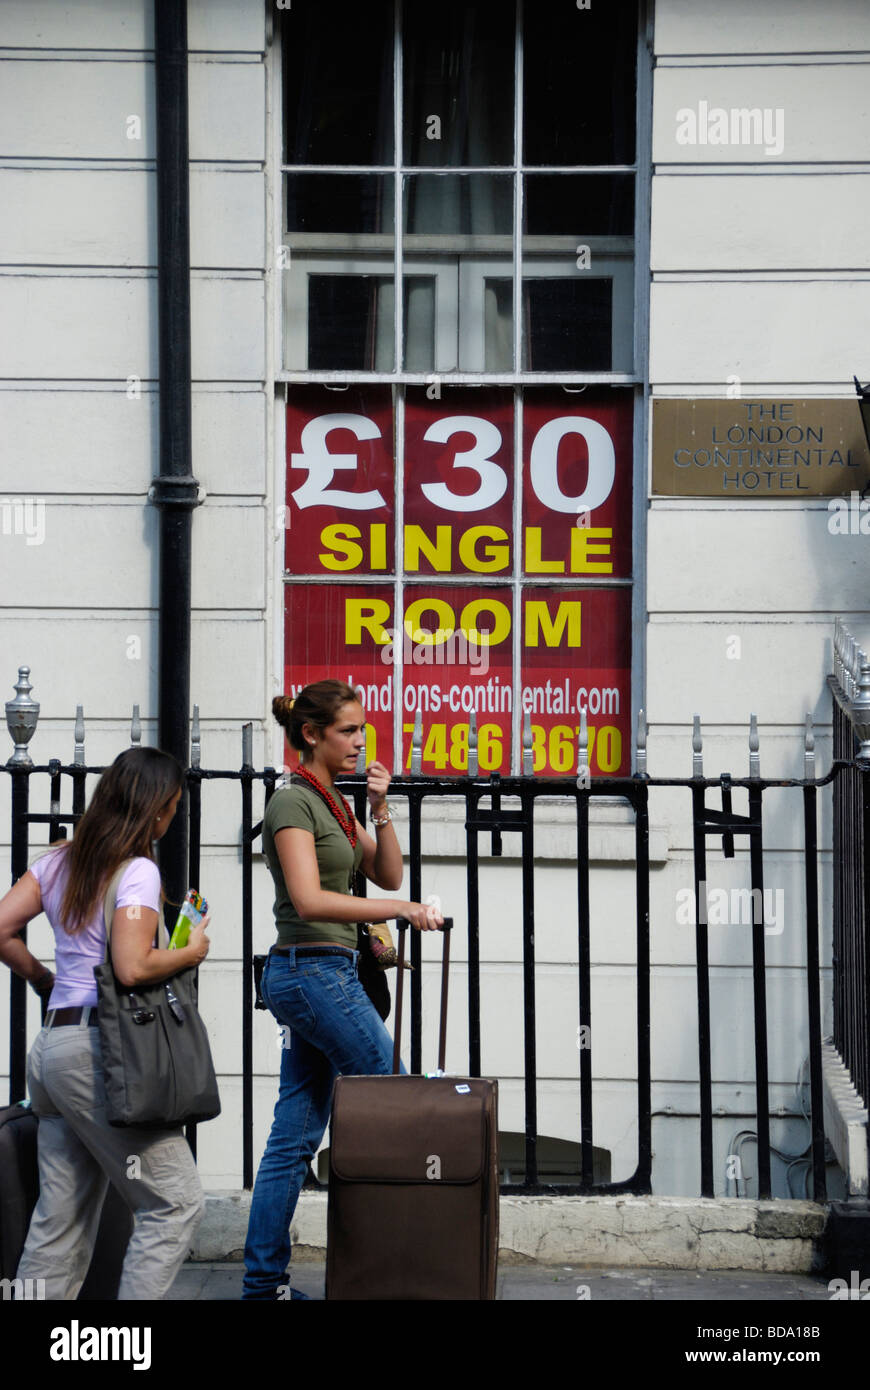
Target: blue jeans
330	1027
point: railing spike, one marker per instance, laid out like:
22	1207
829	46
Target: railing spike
754	755
583	773
860	708
195	739
135	728
247	745
79	736
417	746
528	751
809	750
697	747
472	745
641	743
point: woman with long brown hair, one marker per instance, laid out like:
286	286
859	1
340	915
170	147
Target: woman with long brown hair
80	1152
314	844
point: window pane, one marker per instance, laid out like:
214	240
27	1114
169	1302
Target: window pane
360	203
338	82
419	316
579	83
568	325
459	204
498	301
350	323
459	82
579	205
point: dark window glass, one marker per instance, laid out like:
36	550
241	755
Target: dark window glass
459	204
581	204
357	203
459	82
498	325
579	81
568	325
338	82
350	323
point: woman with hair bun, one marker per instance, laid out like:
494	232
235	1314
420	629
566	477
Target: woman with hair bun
80	1152
314	844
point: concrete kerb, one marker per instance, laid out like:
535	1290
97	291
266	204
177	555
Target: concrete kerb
779	1236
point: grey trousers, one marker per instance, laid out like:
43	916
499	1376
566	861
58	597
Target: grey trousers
79	1154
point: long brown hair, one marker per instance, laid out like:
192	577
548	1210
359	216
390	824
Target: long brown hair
316	704
118	825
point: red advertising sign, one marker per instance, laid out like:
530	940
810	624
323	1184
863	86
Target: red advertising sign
454	638
334	631
340	482
459	483
457	656
577	462
576	657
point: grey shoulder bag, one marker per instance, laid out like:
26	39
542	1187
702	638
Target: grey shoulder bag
156	1056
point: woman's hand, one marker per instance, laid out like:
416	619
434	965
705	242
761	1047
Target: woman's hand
198	942
378	779
423	916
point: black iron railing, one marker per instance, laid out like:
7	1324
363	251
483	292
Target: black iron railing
496	807
851	956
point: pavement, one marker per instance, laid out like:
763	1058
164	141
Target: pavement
549	1283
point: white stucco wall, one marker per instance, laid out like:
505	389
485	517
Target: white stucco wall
759	268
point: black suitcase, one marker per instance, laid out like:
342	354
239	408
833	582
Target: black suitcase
413	1179
19	1189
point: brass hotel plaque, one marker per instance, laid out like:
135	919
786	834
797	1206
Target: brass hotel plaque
758	448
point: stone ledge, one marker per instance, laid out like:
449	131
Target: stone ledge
654	1232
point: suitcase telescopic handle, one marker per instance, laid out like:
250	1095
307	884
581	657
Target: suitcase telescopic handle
447	926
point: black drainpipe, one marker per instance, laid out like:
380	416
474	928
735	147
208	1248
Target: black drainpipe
175	489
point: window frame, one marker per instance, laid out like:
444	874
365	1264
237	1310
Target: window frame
518	379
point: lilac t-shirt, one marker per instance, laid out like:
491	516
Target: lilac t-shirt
76	955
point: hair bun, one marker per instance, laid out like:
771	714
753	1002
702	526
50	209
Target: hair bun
282	706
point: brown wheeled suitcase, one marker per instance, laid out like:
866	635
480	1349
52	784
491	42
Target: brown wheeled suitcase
19	1189
413	1179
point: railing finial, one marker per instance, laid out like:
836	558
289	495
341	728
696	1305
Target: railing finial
641	743
528	751
860	706
754	755
195	739
697	747
22	715
473	767
809	750
79	736
247	745
417	746
135	728
583	771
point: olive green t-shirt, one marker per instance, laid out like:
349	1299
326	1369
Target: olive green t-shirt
300	806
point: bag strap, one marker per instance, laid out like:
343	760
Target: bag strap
109	907
110	900
446	929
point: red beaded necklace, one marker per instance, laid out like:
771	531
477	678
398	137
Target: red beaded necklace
345	817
